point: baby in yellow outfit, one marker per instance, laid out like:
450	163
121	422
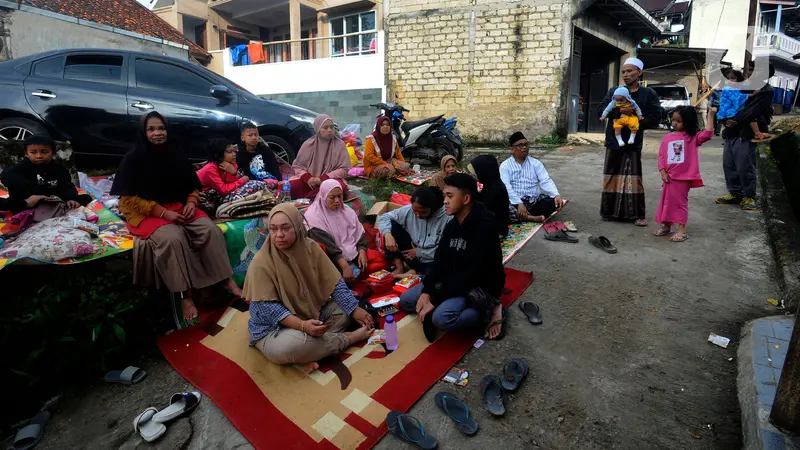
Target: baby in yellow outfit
622	99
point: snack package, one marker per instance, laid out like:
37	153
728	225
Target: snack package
459	377
384	300
378	337
380	275
408	282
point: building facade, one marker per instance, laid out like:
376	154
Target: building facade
540	66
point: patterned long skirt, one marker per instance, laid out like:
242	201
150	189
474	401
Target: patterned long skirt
623	191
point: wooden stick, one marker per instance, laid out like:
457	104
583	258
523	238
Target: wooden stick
706	95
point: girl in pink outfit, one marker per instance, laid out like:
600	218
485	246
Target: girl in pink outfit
221	172
679	164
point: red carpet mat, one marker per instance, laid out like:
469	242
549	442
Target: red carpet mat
342	405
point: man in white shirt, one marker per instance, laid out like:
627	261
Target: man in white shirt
530	189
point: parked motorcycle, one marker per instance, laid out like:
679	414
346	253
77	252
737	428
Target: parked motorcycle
431	138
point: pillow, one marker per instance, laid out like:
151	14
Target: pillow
52	240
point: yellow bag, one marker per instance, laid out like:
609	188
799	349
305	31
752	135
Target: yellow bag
353	158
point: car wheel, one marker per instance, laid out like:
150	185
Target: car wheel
280	147
20	129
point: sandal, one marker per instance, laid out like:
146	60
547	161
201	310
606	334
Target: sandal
502	323
146	427
571	227
663	231
532	311
409	429
679	237
131	375
493	394
603	244
560	236
513	373
181	403
458	411
30	435
640	222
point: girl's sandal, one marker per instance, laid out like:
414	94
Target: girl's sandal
679	237
663	231
640	222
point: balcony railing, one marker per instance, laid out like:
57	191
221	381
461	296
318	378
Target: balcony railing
351	44
334	63
777	43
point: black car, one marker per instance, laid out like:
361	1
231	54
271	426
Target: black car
94	98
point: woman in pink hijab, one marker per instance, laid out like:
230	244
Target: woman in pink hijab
342	229
323	156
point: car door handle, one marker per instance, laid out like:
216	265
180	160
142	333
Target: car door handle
143	106
43	94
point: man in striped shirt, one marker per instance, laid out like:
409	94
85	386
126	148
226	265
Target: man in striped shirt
531	191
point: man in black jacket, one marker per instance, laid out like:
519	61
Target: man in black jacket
739	151
623	191
469	257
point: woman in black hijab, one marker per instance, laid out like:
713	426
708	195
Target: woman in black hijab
494	194
176	245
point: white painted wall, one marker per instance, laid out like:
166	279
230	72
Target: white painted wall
721	24
318	75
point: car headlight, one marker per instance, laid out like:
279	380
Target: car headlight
300	118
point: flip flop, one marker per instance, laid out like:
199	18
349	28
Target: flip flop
458	411
603	244
550	227
532	311
663	231
30	435
571	227
513	373
492	392
560	236
180	403
410	430
131	375
560	226
147	429
502	322
640	222
679	237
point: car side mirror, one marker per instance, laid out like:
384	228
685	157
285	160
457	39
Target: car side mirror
690	95
221	92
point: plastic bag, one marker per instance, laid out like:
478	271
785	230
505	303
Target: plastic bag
352	134
95	188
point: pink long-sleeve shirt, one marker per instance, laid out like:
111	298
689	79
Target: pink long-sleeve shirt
212	177
679	155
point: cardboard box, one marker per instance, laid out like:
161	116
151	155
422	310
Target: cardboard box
382	208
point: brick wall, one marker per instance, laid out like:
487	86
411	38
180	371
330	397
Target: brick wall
497	65
345	107
5	34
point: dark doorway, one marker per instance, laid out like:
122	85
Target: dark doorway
593	61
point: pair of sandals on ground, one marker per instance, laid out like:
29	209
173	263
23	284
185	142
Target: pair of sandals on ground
151	423
493	390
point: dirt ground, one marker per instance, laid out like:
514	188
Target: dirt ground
621	360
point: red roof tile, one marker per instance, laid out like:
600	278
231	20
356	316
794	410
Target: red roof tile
123	14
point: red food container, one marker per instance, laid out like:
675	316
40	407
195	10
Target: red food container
380	286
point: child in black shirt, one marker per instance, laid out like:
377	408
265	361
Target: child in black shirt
38	177
255	160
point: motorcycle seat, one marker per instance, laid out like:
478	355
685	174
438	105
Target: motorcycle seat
407	126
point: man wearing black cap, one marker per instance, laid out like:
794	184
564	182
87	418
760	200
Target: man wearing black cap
530	189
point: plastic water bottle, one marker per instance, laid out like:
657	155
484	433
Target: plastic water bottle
416	168
390	328
286	191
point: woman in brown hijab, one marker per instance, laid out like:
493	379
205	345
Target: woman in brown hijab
449	166
299	305
321	157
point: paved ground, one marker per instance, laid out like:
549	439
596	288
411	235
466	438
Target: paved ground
620	362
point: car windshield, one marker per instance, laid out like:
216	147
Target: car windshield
670	92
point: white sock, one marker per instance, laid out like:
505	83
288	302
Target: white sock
633	136
620	141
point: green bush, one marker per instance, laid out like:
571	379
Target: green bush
63	326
